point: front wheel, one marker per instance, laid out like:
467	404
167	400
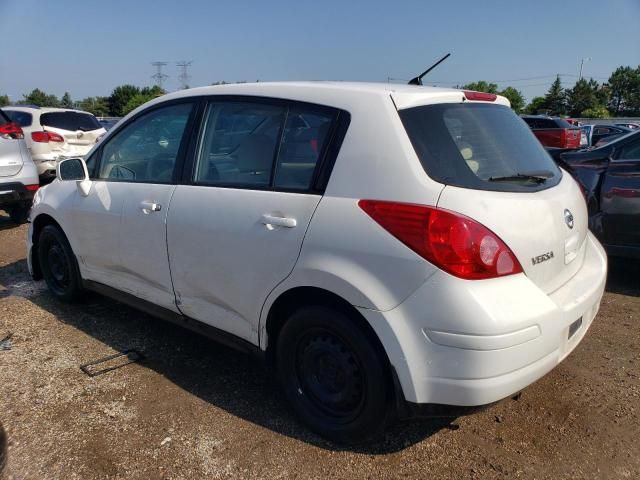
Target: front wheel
332	374
58	264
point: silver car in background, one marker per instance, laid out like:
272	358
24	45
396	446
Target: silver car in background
18	173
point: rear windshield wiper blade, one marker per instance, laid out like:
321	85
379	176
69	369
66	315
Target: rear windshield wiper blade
538	177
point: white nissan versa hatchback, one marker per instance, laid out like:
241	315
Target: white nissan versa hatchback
382	246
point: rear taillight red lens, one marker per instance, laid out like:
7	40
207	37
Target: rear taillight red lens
480	96
44	137
32	188
452	242
11	130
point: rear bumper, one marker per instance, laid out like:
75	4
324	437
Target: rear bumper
469	343
14	193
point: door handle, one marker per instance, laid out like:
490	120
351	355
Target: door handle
279	221
148	207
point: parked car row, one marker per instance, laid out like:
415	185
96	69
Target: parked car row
55	133
568	133
32	141
610	178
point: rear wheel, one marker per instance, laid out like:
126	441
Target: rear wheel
58	264
333	375
19	213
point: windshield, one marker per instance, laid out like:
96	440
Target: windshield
70	121
473	145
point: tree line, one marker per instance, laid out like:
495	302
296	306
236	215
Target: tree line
122	100
619	96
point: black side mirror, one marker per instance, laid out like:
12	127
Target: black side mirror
72	169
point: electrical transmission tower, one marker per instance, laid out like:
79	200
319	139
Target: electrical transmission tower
184	75
159	77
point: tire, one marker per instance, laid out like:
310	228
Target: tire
19	214
58	264
332	375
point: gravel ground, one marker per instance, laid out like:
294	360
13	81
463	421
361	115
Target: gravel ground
194	409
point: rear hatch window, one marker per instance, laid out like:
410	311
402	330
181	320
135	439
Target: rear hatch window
71	121
479	146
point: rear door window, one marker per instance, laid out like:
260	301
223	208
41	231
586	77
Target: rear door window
479	146
71	121
24	119
239	144
304	140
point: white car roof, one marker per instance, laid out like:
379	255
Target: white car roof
22	108
313	91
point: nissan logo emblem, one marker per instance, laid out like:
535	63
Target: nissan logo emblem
568	218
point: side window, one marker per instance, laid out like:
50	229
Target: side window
238	144
305	136
146	149
630	151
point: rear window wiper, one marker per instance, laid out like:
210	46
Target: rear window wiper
538	177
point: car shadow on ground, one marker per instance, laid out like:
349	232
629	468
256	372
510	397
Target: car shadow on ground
230	380
624	276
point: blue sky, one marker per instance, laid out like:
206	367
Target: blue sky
89	47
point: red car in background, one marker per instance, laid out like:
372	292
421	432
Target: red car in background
553	131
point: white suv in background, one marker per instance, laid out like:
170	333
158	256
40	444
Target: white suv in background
53	134
384	247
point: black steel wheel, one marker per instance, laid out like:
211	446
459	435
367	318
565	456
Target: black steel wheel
58	264
333	375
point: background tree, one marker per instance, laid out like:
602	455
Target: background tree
146	94
537	105
582	96
515	97
624	86
65	101
99	106
481	86
555	99
599	111
120	97
4	100
40	98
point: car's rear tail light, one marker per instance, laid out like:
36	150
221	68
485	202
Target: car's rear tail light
32	188
44	137
11	130
480	96
452	242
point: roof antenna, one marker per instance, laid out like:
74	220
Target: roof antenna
418	80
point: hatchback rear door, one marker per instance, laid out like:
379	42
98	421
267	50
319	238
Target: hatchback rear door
498	174
79	130
235	230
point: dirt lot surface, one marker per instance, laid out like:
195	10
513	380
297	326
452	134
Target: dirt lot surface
194	409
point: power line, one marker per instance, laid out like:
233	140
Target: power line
184	76
159	77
